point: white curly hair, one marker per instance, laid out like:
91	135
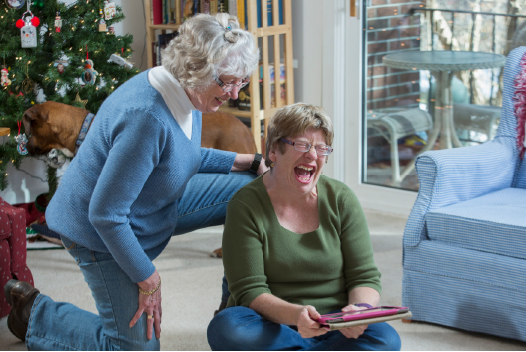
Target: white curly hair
209	46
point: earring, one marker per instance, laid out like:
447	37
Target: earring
272	164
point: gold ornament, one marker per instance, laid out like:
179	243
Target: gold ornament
27	84
80	101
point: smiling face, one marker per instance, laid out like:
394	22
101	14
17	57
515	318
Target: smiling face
212	97
298	171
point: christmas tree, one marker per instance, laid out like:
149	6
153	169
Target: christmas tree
75	59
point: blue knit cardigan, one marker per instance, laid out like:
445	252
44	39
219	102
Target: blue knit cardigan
120	193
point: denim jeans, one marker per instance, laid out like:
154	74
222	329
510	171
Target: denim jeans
242	329
63	326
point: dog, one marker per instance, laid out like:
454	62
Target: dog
53	125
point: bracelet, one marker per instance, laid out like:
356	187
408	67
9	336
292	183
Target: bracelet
255	164
149	293
363	305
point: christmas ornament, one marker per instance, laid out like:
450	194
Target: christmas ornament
80	101
109	10
116	58
27	83
58	22
55	158
61	65
111	30
89	75
21	141
15	4
102	23
4	80
28	30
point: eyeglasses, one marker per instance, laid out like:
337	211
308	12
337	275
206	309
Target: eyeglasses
228	87
304	147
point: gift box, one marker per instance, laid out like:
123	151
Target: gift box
13	252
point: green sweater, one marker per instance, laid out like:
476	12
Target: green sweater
317	268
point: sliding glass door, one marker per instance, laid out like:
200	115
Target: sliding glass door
431	73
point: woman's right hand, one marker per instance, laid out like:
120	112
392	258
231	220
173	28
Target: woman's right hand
151	305
306	323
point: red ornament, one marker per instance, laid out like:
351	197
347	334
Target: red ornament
20	23
35	21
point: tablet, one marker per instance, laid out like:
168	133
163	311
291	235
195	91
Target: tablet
355	315
368	321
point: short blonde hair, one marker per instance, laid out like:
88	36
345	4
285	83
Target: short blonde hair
207	46
292	121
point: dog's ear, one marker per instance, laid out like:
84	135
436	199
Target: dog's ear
30	115
33	113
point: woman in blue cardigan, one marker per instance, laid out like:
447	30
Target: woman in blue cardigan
139	178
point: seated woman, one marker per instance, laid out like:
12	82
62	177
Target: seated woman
296	245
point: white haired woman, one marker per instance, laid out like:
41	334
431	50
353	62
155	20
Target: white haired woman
296	245
139	178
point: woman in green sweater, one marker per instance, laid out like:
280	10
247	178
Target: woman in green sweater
295	246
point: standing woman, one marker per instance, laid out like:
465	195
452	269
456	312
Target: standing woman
140	178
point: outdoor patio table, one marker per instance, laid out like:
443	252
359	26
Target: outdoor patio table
443	64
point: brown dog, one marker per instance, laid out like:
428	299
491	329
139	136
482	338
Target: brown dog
53	125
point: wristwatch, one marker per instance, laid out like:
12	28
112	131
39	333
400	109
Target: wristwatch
255	164
365	305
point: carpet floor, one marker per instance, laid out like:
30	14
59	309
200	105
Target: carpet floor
192	290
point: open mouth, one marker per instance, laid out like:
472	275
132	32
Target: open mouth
304	173
221	101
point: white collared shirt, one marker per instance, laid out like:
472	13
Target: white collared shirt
174	96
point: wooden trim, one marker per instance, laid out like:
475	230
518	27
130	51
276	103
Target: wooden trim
289	69
255	119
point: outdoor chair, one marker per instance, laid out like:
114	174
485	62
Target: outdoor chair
397	124
464	244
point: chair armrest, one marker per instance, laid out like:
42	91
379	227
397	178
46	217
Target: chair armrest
455	175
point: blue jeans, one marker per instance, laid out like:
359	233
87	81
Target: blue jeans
242	329
63	326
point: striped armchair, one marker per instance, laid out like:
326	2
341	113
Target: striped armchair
464	262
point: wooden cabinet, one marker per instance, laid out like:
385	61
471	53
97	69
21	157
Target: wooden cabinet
275	44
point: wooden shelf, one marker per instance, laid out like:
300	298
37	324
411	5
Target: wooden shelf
172	27
4	131
278	33
235	111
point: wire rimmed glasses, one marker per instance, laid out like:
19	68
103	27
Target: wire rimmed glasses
304	147
227	87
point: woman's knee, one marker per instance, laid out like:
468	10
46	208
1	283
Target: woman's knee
228	330
384	337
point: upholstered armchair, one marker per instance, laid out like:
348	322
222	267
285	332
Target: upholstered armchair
464	261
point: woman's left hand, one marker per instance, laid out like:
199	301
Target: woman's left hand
355	331
151	305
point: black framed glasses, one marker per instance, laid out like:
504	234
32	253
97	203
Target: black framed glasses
304	147
228	87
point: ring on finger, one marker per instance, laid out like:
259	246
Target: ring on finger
150	316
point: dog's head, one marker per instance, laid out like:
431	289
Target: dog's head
52	125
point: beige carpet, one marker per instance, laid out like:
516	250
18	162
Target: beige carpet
192	289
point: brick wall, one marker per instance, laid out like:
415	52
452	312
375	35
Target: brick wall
390	29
